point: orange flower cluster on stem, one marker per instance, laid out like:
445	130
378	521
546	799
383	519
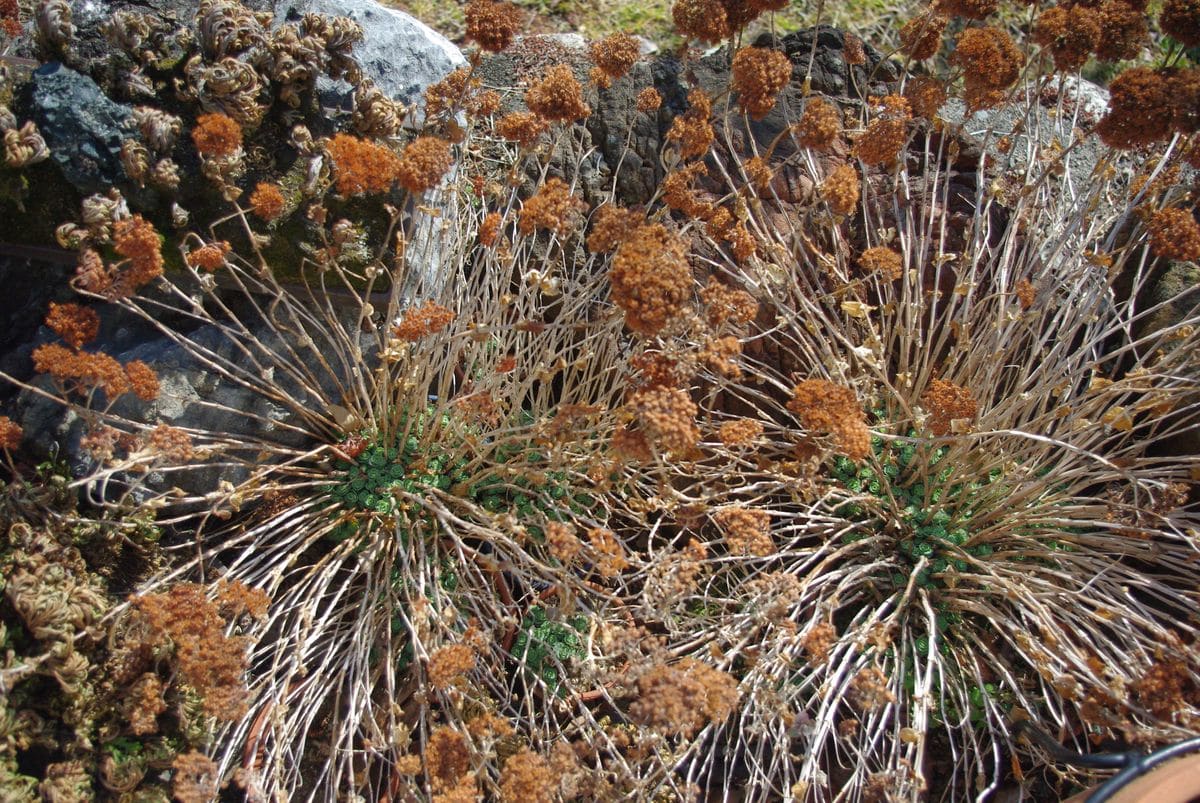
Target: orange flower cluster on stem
135	239
747	531
692	129
492	25
840	189
826	408
10	434
523	128
209	256
1174	234
558	96
880	144
613	56
759	74
83	371
553	207
990	63
422	321
423	163
668	416
946	403
216	135
267	201
207	660
819	125
75	324
361	167
610	226
650	277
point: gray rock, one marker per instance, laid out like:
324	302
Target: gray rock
399	53
82	127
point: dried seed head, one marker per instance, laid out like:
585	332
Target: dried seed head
759	74
557	97
491	24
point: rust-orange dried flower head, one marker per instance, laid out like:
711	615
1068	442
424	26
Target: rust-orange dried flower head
489	229
491	24
830	409
523	128
1069	34
747	531
1123	29
990	63
704	20
10	434
361	167
921	36
558	96
209	256
668	416
1140	109
648	100
423	163
925	95
946	403
840	189
820	123
1180	19
692	129
552	207
421	321
75	324
267	201
143	381
136	239
614	55
216	135
651	279
759	73
971	9
610	226
885	135
1174	234
883	261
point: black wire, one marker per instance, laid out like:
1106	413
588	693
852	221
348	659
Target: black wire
1132	764
1140	766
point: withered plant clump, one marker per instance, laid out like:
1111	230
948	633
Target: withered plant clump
812	448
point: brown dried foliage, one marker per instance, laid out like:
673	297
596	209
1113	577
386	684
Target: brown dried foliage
682	698
1180	19
449	664
527	776
747	531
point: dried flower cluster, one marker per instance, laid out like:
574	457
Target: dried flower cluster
553	208
740	432
491	24
1175	234
423	163
422	321
650	277
527	776
840	189
209	661
947	403
668	416
692	129
921	37
267	201
826	408
880	144
648	100
558	96
681	698
819	125
990	61
448	665
10	434
210	256
361	167
759	74
75	324
217	135
704	20
1070	34
136	239
611	225
613	56
882	261
523	128
747	531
